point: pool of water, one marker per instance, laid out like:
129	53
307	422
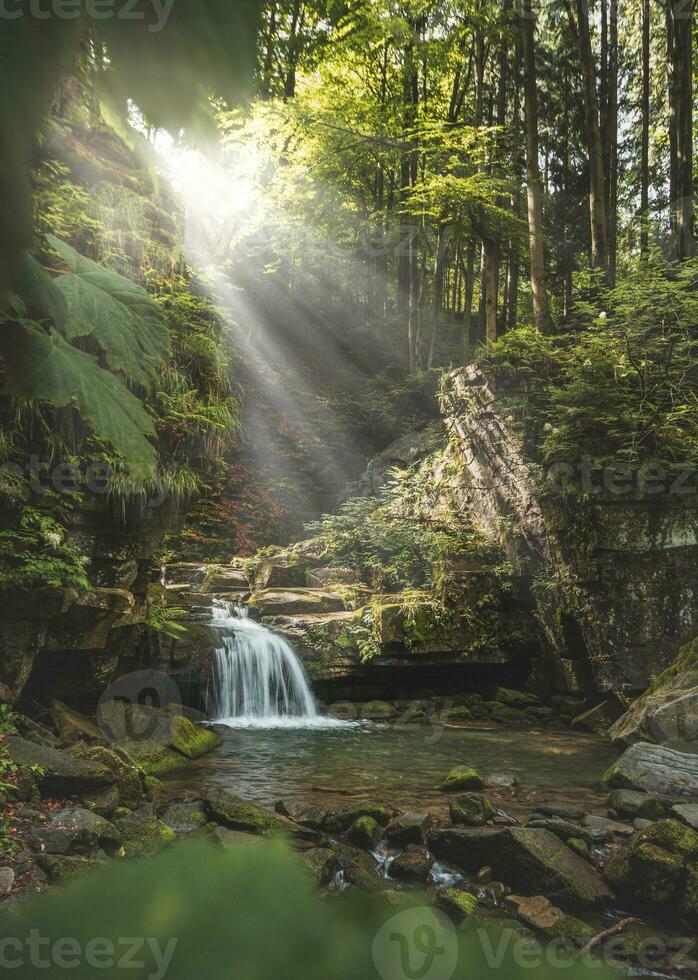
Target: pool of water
401	765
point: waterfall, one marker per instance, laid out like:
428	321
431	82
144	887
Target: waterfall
258	681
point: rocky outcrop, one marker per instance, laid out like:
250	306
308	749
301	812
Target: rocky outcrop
655	769
668	711
614	578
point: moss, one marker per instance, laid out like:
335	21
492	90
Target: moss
192	740
505	714
467	778
674	837
365	832
579	846
614	779
142	835
572	930
688	906
460	713
458	904
656	873
471	809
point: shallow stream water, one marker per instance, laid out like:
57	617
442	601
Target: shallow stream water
401	765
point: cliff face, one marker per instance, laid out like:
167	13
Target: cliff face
613	577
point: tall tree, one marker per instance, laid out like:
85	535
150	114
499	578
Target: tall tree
680	79
645	130
541	313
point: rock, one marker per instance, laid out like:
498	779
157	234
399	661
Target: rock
639	823
359	868
466	778
71	725
307	816
403	452
290	602
7	880
60	773
607	826
221	579
378	711
505	714
459	713
283	571
77	831
322	863
567	811
536	911
232	839
34	731
159	740
236	814
504	819
629	804
687	813
455	903
128	789
332	576
502	782
413	865
186	818
342	817
470	809
365	832
598	719
142	833
668	710
60	868
410	828
513	699
656	769
564	829
530	860
579	846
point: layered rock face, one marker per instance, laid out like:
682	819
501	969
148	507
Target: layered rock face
614	578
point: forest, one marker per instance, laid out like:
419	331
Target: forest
348	517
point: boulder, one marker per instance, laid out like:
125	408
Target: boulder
283	571
365	832
290	602
322	863
332	576
502	782
224	578
142	833
234	839
687	813
159	740
564	829
342	817
470	809
236	814
59	773
186	818
358	868
413	865
128	784
61	868
630	804
71	725
668	710
656	769
506	714
456	903
306	815
566	811
544	917
532	861
658	869
7	880
77	831
409	828
463	778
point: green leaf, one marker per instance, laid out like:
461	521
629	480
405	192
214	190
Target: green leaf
124	319
44	367
39	292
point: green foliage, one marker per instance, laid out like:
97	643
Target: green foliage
36	552
164	619
8	719
623	389
276	925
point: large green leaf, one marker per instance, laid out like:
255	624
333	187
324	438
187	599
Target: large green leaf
123	318
45	367
39	291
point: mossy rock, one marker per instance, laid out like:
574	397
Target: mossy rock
471	809
460	713
512	698
572	931
342	817
457	904
506	714
579	846
365	832
143	833
61	868
655	868
466	778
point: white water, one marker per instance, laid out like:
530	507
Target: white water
258	681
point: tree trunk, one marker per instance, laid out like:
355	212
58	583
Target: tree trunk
681	115
597	177
439	262
645	137
491	253
612	140
534	190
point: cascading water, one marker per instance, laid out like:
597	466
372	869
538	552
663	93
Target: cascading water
257	679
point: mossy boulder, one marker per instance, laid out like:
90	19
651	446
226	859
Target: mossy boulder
186	818
159	740
413	865
470	809
459	713
59	773
506	714
142	833
342	817
365	832
126	777
658	869
70	724
409	828
61	868
455	903
463	778
236	814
